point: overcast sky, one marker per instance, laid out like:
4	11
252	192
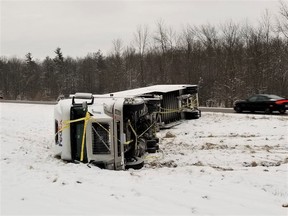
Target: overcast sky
81	27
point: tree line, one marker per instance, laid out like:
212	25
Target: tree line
229	61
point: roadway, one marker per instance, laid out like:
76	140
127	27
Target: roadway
203	109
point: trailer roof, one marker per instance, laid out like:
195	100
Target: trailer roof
150	89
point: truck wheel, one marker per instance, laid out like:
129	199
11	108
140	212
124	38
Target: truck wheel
191	115
151	143
152	150
282	111
134	163
134	107
156	139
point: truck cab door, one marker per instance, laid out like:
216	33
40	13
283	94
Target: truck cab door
119	136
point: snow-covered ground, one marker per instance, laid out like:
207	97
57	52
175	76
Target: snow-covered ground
220	164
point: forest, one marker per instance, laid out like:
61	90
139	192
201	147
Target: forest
229	61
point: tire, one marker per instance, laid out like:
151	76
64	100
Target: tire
134	163
152	146
191	115
152	150
151	143
282	111
153	101
267	111
238	109
134	107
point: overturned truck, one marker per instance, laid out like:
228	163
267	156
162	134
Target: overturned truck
116	130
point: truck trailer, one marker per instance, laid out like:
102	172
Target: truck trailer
116	130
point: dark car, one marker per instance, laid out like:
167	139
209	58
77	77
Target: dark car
262	102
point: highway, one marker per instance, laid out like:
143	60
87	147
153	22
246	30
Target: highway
29	102
217	109
203	109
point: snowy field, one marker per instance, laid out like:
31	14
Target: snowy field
220	164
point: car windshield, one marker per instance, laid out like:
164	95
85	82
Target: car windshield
275	97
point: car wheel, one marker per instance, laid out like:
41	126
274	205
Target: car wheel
268	111
282	111
238	109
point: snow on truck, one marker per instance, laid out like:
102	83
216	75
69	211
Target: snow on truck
115	131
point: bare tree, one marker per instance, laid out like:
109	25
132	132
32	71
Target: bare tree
117	47
161	36
283	20
229	62
186	42
165	41
116	67
207	34
141	41
231	70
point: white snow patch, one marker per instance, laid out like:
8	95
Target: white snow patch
220	164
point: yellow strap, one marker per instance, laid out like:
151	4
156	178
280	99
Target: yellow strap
146	129
125	143
75	120
87	117
129	123
68	122
128	142
169	112
155	157
61	129
67	125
